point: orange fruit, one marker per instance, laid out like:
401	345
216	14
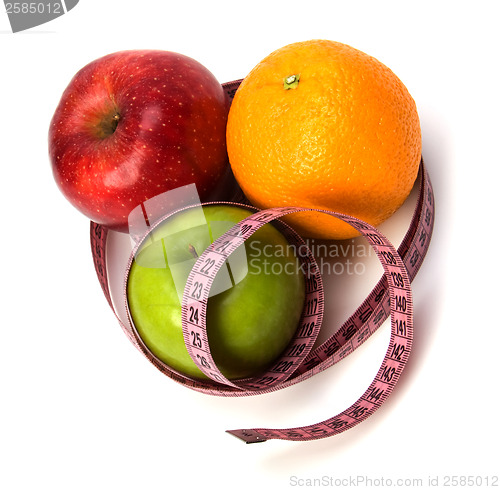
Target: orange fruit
319	124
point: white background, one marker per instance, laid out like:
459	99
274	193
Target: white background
80	408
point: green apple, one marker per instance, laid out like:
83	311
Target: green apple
255	303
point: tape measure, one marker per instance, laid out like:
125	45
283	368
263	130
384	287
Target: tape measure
392	296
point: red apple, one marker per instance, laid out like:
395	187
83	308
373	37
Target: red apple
134	124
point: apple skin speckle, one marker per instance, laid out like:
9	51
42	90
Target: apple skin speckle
134	124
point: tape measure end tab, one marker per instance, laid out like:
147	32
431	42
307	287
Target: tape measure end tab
247	435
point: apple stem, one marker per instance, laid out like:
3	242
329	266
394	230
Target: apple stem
108	126
114	121
193	252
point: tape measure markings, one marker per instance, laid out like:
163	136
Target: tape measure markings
196	294
376	308
414	248
401	313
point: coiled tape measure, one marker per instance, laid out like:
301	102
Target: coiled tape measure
392	296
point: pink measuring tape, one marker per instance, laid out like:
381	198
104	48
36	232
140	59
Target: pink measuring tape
392	296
